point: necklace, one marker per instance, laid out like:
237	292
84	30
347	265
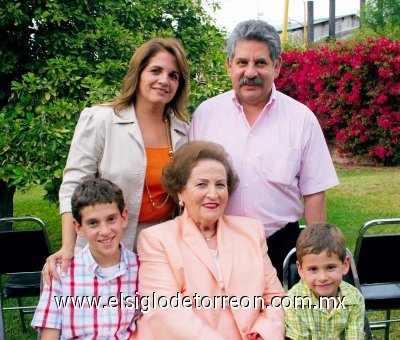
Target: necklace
171	154
208	239
170	151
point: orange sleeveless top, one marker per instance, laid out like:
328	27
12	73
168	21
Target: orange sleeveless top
157	158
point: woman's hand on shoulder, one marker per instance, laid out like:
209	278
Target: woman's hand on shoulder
63	256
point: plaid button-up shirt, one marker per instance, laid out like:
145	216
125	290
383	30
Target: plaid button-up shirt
87	305
319	323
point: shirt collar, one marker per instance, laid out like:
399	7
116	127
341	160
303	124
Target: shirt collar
94	267
125	116
128	115
268	105
343	291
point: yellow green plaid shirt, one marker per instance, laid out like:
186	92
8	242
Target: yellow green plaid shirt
319	323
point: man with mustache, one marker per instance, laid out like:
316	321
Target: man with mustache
276	143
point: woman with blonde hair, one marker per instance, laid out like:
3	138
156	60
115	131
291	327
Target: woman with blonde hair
129	141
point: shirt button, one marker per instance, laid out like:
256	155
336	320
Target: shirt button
245	329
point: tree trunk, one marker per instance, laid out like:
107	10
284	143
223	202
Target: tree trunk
6	203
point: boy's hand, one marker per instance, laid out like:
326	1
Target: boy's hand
63	256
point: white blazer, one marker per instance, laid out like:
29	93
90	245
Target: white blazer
109	146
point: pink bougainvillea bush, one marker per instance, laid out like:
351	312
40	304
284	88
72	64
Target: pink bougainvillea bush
354	90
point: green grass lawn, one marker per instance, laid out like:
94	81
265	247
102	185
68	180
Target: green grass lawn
31	203
364	194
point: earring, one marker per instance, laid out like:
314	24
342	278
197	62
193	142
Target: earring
181	206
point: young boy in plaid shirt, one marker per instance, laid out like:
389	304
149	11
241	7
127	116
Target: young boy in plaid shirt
96	297
333	309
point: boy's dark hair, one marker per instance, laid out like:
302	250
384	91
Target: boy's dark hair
321	237
95	191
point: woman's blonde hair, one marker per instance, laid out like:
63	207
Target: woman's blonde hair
140	60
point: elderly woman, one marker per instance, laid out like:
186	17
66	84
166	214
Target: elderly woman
207	268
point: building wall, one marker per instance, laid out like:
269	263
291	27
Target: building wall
344	26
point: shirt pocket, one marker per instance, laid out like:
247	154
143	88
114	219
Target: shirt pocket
280	164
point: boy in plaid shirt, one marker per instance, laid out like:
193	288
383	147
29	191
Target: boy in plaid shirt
96	299
334	309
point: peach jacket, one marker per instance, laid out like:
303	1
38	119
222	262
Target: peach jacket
109	146
175	258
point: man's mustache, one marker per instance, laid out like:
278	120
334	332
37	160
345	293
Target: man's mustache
251	81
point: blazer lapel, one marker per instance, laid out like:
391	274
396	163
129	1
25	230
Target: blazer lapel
194	240
128	116
225	249
179	130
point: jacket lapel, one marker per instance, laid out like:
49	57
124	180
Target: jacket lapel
225	249
192	237
179	129
127	116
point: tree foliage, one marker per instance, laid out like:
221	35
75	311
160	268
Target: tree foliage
381	17
62	55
